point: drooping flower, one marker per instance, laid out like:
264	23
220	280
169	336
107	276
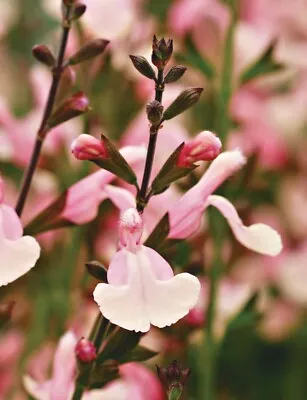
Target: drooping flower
18	254
185	215
142	289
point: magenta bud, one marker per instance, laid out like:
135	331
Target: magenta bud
206	146
85	351
87	147
70	108
43	54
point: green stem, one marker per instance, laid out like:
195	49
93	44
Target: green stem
217	225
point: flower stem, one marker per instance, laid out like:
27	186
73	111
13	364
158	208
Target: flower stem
42	130
217	225
142	198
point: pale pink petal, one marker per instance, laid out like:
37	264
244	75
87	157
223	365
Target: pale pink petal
39	391
142	383
185	216
17	257
120	197
12	228
144	299
64	367
257	237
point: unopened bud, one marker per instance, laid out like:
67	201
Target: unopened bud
85	351
43	54
161	52
185	100
173	379
206	146
90	50
87	147
130	228
142	65
70	108
175	73
154	111
78	11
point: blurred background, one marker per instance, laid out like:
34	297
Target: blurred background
251	59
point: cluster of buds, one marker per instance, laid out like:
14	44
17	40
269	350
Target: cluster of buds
173	379
161	52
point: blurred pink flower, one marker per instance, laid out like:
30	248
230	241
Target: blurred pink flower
18	253
136	381
142	289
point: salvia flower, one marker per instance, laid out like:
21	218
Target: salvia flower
87	147
142	289
186	214
204	147
18	254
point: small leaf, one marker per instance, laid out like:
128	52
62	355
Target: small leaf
116	163
119	345
159	234
264	65
185	100
142	65
139	354
170	172
49	218
97	270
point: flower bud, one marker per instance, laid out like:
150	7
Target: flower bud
85	351
142	65
204	147
154	111
70	108
174	74
130	228
87	147
78	11
90	50
185	100
43	54
161	52
173	379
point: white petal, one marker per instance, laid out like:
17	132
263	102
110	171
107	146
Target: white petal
17	258
258	237
146	300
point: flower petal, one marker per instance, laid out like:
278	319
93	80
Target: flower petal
144	299
11	224
39	391
120	197
64	368
258	237
185	216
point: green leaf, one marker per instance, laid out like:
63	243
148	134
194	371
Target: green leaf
119	345
170	172
192	57
139	354
49	218
264	65
97	270
116	163
159	234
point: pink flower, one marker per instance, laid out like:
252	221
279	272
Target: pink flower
136	381
18	254
142	289
185	215
87	147
204	147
